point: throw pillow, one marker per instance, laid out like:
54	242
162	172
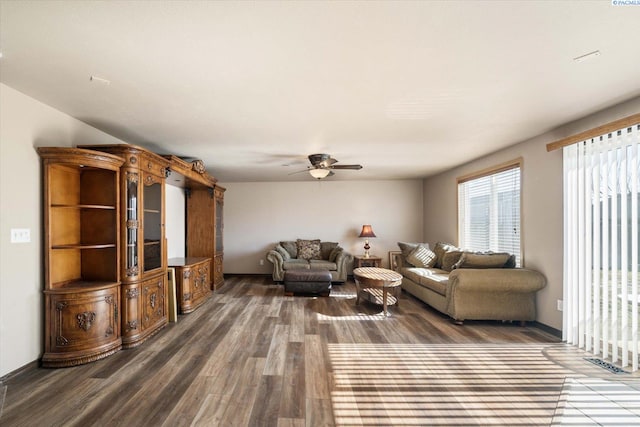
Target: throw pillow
290	247
334	253
422	257
511	263
282	251
326	248
483	260
450	259
308	249
407	248
440	249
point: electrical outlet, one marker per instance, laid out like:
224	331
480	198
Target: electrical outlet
261	262
559	305
20	235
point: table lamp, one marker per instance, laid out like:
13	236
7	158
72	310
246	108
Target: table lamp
367	232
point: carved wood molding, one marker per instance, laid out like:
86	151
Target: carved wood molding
131	325
198	166
132	177
85	320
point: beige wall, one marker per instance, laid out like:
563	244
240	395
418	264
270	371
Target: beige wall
541	201
24	124
257	215
175	221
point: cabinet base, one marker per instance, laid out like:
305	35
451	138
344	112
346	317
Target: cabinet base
65	360
127	344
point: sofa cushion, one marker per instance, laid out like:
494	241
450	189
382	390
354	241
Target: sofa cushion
450	259
431	278
326	248
407	247
308	249
483	260
440	249
334	253
320	264
294	264
422	256
282	251
291	247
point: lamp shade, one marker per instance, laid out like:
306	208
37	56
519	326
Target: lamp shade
367	231
319	173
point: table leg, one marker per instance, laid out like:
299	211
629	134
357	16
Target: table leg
357	293
384	300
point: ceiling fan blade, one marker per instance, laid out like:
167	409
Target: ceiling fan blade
351	167
293	173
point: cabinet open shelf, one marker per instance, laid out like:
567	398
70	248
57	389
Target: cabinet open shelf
66	206
86	285
81	246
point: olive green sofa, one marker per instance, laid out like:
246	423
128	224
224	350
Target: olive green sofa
469	286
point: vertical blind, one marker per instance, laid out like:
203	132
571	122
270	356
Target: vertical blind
601	303
489	212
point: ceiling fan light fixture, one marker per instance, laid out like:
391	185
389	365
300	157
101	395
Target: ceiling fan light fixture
319	173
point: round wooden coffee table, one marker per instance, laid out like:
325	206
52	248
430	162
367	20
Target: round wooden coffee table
374	284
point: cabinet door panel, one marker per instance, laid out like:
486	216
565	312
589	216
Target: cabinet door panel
84	320
154	302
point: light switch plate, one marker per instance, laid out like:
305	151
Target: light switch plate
20	235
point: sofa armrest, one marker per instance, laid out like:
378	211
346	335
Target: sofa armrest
516	280
278	265
343	261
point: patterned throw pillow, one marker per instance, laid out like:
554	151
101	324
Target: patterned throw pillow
308	249
422	257
407	248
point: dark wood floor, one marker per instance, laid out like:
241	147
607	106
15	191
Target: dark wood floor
251	357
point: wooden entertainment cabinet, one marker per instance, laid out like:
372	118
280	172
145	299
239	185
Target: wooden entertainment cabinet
81	262
105	247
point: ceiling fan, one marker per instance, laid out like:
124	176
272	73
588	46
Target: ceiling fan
323	165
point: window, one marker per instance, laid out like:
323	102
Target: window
489	210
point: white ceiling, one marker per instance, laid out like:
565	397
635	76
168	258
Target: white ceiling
407	89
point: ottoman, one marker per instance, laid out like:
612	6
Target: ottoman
307	282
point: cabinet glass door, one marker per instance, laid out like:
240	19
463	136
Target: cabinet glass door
152	226
132	225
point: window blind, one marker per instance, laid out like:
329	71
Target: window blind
489	212
601	233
